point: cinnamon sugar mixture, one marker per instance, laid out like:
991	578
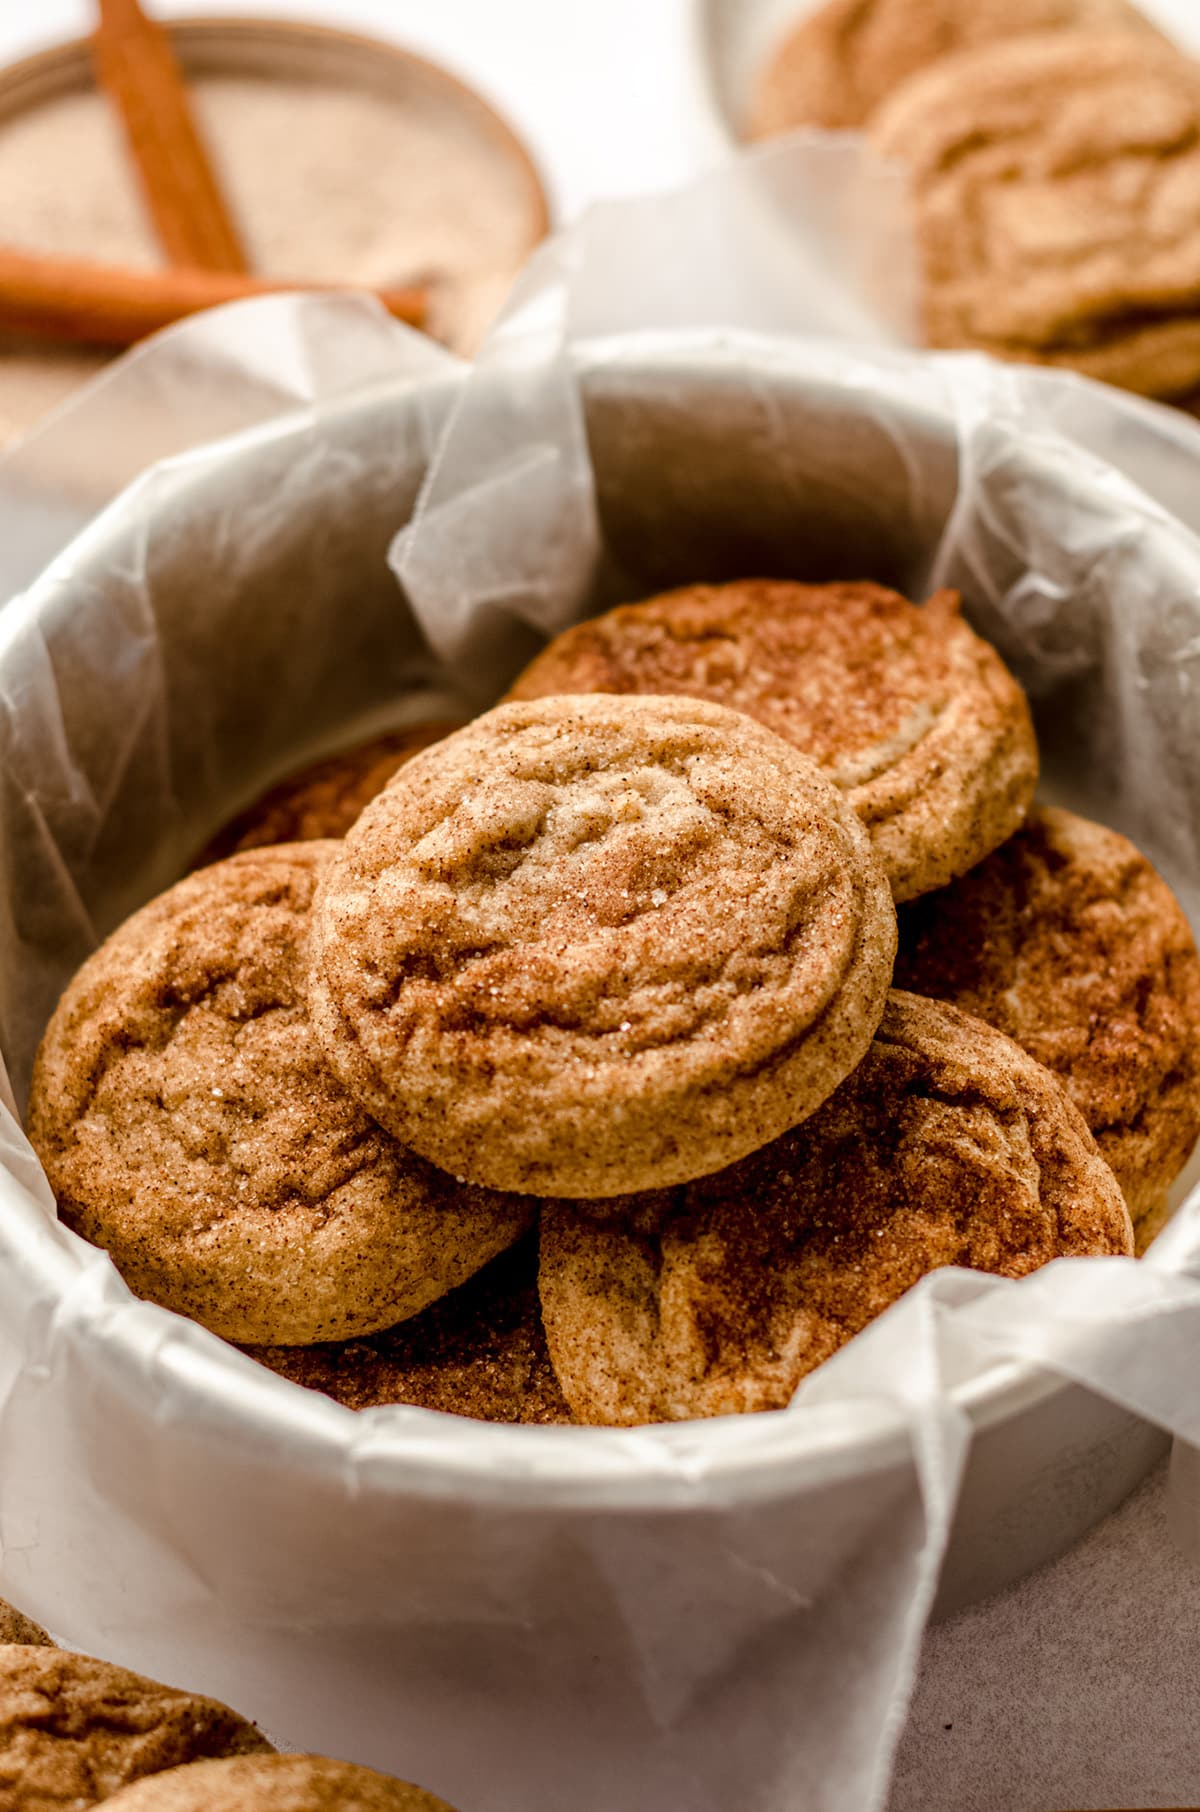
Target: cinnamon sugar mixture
328	182
481	1351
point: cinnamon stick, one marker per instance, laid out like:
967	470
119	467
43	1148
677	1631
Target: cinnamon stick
112	305
135	64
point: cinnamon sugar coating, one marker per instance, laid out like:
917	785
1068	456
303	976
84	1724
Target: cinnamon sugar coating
914	717
15	1627
1068	940
189	1124
839	62
276	1783
947	1146
478	1351
74	1731
1056	186
323	799
594	944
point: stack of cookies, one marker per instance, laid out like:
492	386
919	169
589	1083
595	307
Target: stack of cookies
1052	148
75	1731
567	1078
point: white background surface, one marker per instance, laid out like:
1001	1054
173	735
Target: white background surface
1081	1689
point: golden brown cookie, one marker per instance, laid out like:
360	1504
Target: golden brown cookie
74	1731
913	717
838	63
1068	940
1056	183
189	1124
594	944
323	799
947	1146
479	1351
276	1783
14	1627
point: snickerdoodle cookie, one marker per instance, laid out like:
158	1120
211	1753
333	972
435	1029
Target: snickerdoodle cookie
14	1627
838	63
911	715
188	1123
1056	185
948	1145
323	799
588	945
74	1731
478	1351
1068	940
276	1783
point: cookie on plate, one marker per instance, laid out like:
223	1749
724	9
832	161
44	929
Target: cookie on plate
74	1731
478	1351
276	1783
837	64
1068	940
1056	187
323	799
913	717
14	1627
189	1124
588	945
948	1145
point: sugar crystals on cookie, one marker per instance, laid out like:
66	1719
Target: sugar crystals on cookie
948	1145
1068	940
74	1730
16	1627
595	944
913	716
189	1124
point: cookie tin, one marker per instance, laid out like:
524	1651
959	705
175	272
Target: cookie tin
461	1603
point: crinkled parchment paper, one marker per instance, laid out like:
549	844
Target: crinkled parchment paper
709	1616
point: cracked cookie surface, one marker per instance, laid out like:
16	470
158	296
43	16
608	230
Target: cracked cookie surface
840	62
948	1145
596	944
1068	940
1056	184
913	716
189	1124
74	1731
276	1783
323	799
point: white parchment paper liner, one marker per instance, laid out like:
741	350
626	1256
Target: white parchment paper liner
525	1619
